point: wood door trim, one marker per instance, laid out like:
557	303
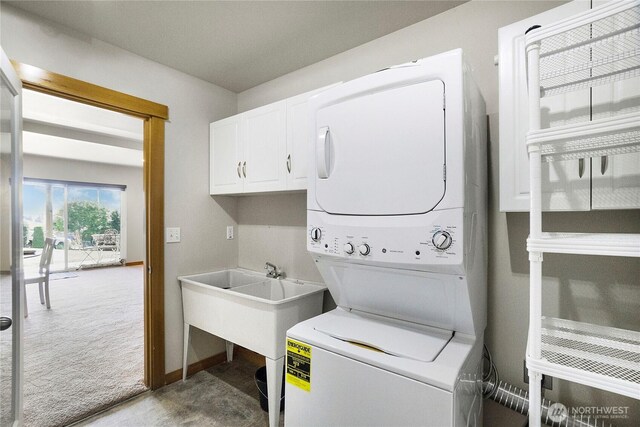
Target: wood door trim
77	90
154	116
133	263
154	213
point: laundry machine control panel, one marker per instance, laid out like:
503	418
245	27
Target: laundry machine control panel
442	240
434	239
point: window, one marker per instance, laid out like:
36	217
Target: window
84	219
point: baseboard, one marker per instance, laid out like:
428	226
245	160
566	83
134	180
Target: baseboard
129	264
238	352
198	366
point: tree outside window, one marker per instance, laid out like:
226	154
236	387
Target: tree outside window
87	218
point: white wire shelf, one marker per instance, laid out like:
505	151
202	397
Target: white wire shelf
596	356
603	137
598	47
607	244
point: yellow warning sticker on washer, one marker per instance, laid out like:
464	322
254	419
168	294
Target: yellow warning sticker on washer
299	364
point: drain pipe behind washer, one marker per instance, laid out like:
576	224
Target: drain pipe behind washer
517	399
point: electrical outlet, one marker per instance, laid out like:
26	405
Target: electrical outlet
173	235
230	232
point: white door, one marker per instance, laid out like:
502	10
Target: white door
298	140
389	141
11	276
264	145
225	153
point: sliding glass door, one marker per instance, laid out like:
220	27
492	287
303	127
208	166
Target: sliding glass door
85	220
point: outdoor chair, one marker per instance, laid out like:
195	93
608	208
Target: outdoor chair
42	278
103	245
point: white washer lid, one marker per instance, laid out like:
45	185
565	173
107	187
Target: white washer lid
388	337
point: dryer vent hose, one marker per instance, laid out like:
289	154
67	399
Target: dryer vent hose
517	399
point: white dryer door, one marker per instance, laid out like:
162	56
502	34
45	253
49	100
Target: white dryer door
387	141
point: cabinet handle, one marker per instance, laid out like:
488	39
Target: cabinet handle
244	169
580	167
238	169
289	163
604	164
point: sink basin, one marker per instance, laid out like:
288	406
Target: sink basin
224	279
276	290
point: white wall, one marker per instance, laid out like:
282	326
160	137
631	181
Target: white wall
73	170
193	104
273	228
600	290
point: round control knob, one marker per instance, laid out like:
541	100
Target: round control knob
316	234
348	248
441	240
364	249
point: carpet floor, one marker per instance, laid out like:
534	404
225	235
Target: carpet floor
86	353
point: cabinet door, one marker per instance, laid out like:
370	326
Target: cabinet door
616	182
298	140
225	156
264	145
563	187
616	179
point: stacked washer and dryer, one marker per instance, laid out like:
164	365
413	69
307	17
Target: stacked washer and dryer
396	217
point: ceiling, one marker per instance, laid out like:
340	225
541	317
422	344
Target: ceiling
57	127
236	44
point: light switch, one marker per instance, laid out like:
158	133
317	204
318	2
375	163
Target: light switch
230	232
173	235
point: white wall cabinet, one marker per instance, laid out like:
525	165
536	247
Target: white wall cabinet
261	150
570	185
263	136
616	179
225	156
563	186
615	182
297	141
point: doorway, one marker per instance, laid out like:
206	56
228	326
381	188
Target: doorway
153	115
82	168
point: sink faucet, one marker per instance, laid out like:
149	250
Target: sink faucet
273	271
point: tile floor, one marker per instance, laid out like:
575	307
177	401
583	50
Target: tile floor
224	395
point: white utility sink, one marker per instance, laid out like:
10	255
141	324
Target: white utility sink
276	290
224	279
251	310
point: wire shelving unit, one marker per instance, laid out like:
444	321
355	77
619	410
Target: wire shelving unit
597	47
